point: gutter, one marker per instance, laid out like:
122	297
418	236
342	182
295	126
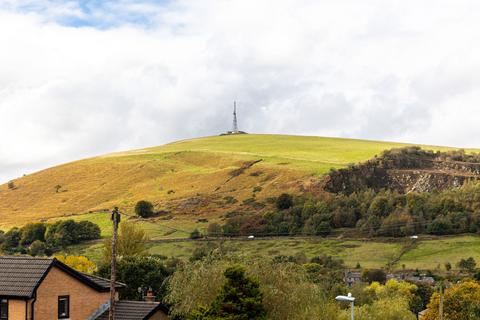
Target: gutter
33	305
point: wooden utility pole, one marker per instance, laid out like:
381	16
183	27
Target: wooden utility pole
113	272
440	305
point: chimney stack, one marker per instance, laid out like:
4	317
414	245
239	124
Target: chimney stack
149	297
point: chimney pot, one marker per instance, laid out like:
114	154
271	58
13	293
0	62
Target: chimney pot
149	297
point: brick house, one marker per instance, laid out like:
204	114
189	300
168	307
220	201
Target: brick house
46	289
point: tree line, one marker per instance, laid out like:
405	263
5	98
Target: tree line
370	213
47	238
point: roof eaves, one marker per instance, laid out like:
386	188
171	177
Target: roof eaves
41	280
161	307
118	283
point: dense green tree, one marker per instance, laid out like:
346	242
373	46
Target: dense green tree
61	234
139	272
317	225
240	298
11	240
54	236
87	230
467	264
31	232
380	206
67	232
374	275
422	297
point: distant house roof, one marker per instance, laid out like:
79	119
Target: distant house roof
20	276
134	310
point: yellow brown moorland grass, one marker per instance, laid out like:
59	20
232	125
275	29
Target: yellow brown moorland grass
202	177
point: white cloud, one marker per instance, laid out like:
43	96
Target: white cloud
145	73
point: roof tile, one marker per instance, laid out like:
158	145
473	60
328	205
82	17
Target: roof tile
133	310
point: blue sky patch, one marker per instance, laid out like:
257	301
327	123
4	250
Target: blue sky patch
94	13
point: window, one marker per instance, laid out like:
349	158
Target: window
3	309
63	307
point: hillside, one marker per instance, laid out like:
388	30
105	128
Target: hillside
205	177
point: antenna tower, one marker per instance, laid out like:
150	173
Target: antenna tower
235	124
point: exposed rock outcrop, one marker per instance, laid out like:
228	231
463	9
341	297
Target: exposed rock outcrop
406	170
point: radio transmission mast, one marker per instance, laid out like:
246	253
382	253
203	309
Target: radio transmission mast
235	123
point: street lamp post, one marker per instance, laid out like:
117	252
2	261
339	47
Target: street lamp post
350	299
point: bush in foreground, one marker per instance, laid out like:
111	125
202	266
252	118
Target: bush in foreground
240	299
461	302
287	291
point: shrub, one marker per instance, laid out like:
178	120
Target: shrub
37	248
448	266
195	234
284	201
214	229
144	209
199	253
230	200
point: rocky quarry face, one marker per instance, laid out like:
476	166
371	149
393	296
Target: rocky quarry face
406	170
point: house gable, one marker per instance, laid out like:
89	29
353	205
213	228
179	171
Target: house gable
83	299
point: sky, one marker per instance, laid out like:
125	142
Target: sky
85	78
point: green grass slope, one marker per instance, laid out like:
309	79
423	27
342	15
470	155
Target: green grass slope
199	177
428	254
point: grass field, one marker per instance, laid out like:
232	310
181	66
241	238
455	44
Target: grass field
189	179
435	253
368	254
429	254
